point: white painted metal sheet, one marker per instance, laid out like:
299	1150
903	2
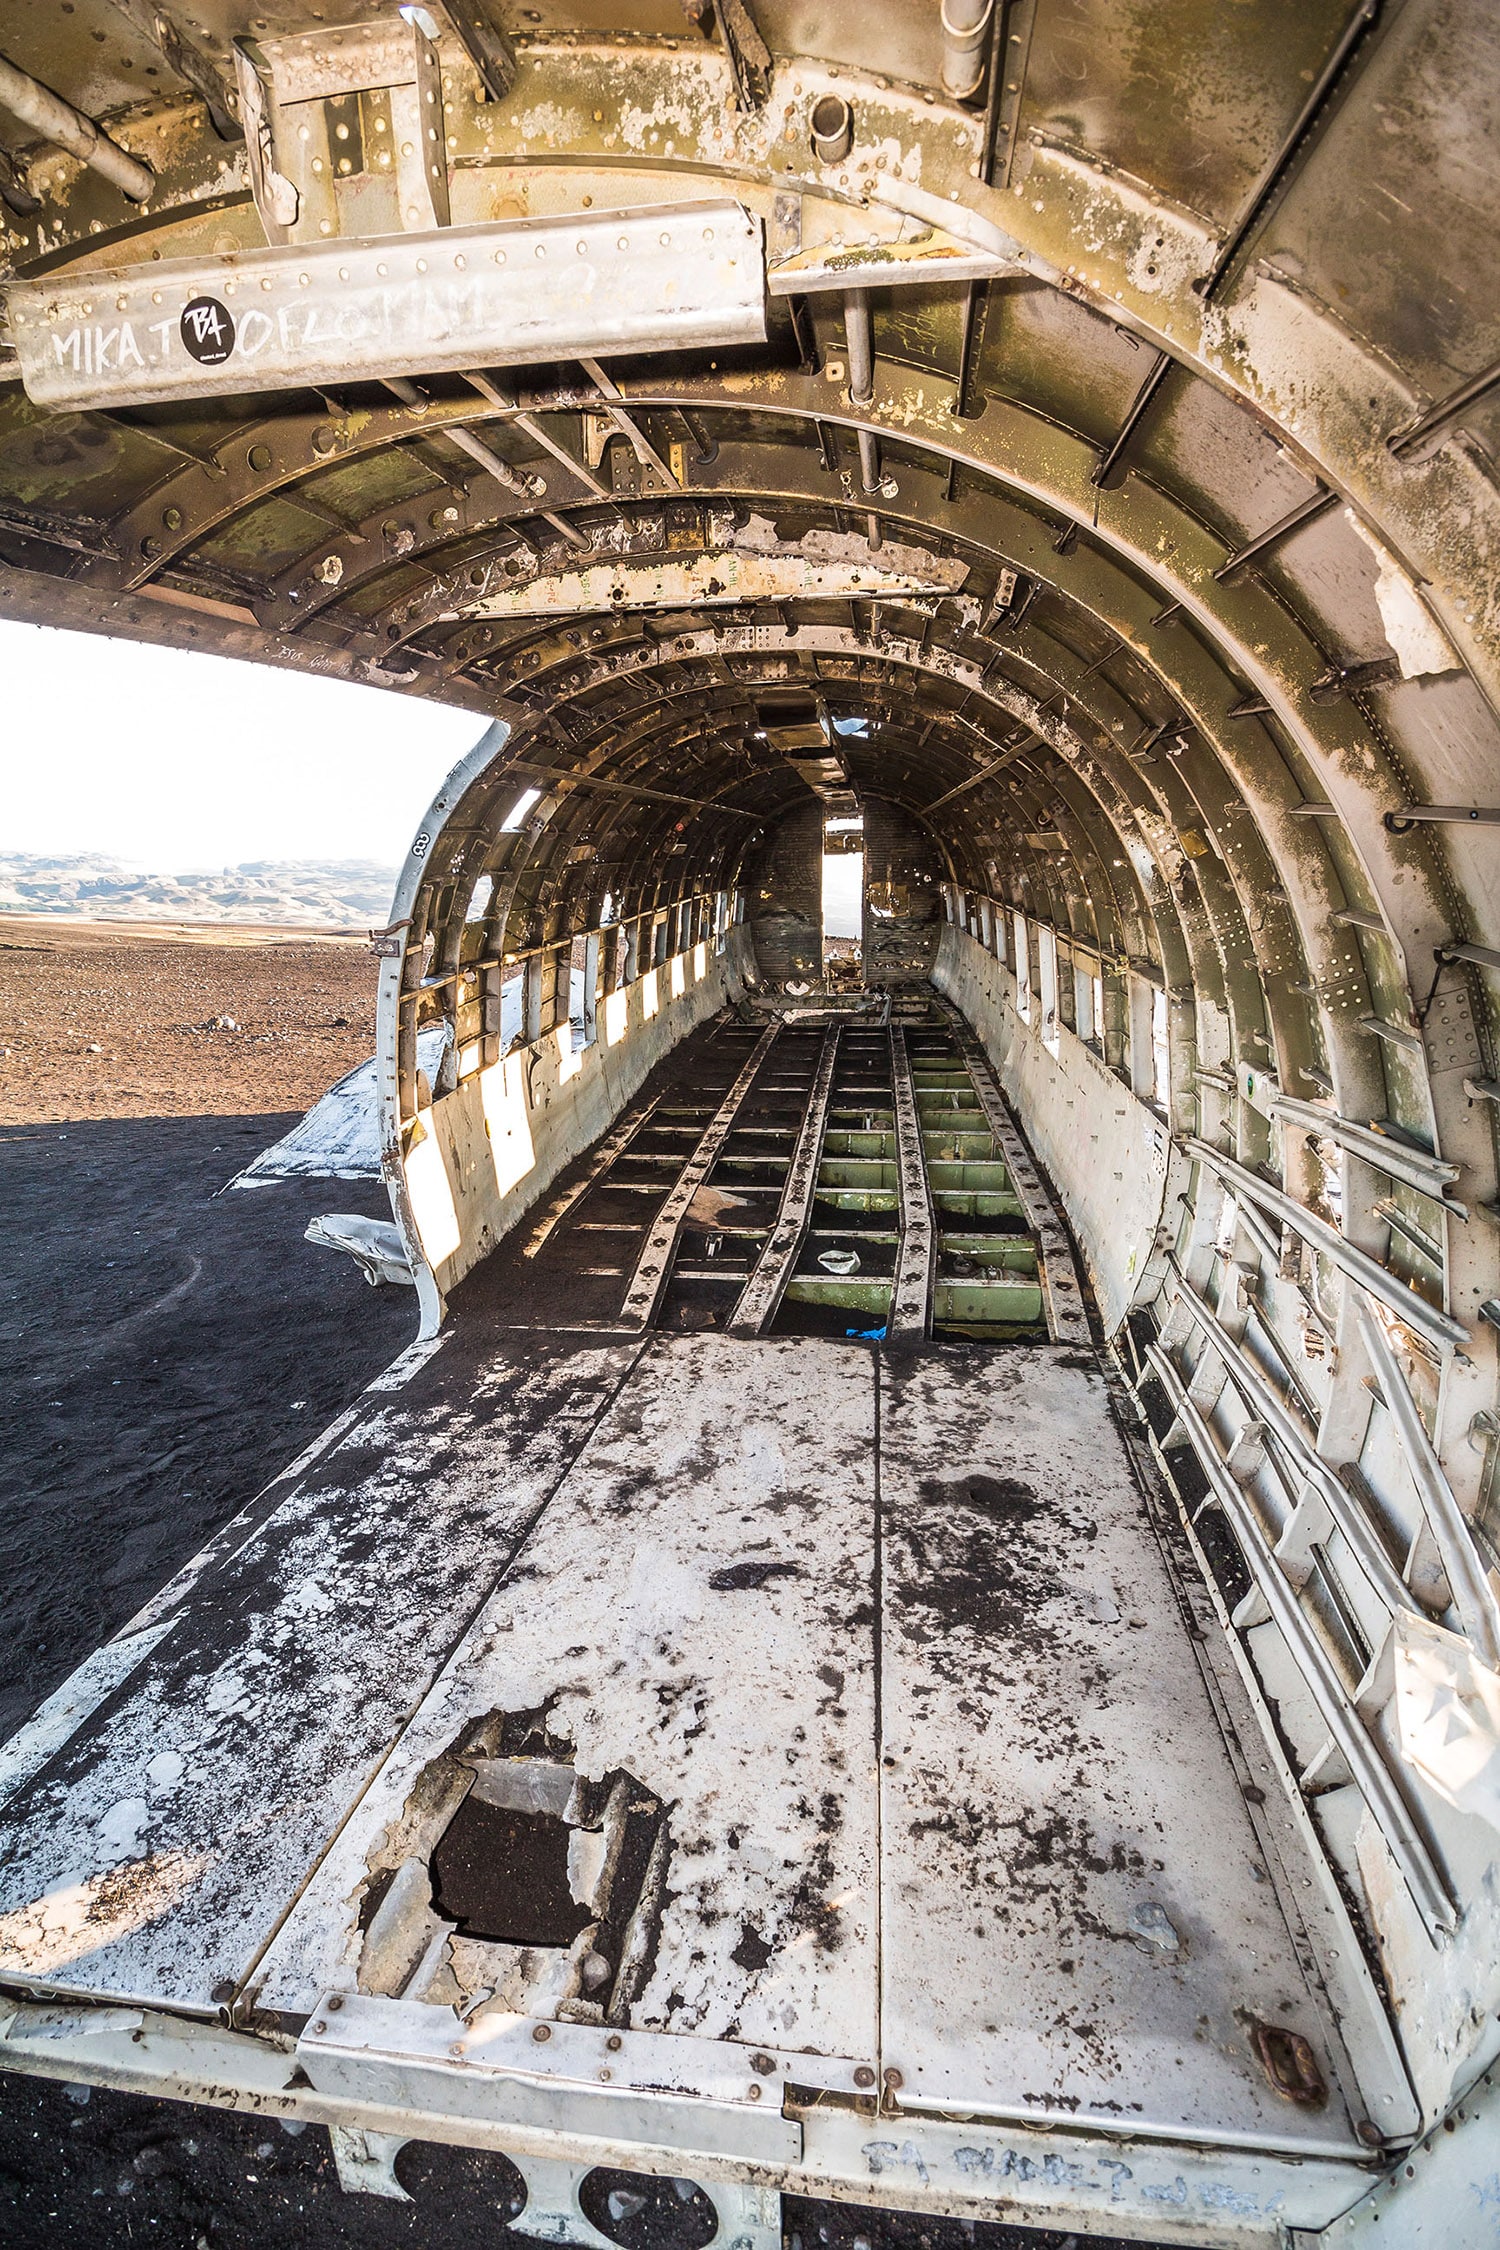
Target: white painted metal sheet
156	1852
695	2094
696	1608
339	1138
1077	1921
673	277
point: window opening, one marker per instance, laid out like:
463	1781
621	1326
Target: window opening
1084	1018
583	988
1229	1217
518	811
1046	947
1023	967
512	1008
843	900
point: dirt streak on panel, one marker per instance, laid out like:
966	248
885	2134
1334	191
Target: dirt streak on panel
216	1774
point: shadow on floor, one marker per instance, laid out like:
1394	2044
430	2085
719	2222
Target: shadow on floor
167	1349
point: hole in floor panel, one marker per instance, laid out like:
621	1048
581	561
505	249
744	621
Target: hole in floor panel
502	1873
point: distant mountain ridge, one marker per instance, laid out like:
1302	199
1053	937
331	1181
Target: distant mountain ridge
353	894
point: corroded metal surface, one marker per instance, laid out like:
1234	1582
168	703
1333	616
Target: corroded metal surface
697	1612
1174	484
652	1266
1063	1295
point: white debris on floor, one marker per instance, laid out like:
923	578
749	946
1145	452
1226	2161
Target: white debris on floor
339	1138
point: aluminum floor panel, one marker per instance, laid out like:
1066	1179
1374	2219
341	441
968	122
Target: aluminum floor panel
1076	1920
153	1854
695	1608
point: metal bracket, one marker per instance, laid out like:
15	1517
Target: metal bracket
749	2218
346	132
553	2212
367	2161
1445	2195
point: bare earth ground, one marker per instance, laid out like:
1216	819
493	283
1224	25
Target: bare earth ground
166	1350
126	1020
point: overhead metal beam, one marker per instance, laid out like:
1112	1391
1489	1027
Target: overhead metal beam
667	278
214	90
486	43
1016	750
578	780
1420	439
538	436
627	424
1306	511
1140	406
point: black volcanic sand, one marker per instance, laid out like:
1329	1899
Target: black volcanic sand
166	1352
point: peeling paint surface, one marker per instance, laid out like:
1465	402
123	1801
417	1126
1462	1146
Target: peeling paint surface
157	1849
697	1608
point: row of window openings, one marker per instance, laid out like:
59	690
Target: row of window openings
605	960
1038	994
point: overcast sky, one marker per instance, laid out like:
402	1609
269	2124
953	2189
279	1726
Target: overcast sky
170	760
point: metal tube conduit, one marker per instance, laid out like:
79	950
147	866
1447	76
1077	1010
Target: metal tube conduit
1368	1272
860	349
965	23
1372	1777
1429	1175
1473	1596
57	120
